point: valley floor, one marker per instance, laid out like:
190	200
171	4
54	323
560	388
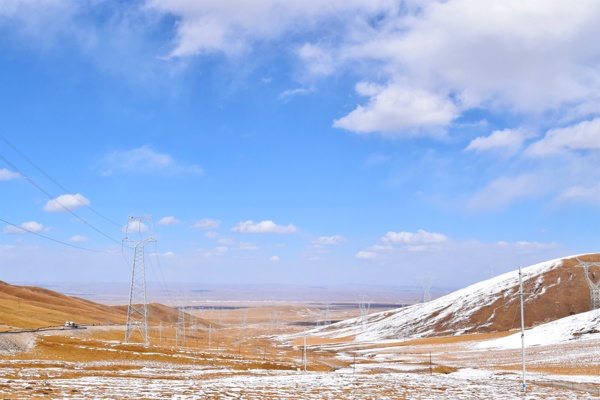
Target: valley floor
242	357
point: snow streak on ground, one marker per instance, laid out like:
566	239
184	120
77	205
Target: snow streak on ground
191	382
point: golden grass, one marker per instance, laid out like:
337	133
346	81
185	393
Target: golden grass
591	370
319	341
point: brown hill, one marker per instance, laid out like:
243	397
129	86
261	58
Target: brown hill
554	294
30	307
552	290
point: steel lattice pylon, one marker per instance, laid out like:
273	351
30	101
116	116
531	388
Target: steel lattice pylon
137	312
594	286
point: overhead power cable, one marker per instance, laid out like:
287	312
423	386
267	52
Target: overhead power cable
41	189
41	170
56	240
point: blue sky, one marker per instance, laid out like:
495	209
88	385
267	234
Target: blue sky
303	142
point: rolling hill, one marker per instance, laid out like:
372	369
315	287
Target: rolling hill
30	307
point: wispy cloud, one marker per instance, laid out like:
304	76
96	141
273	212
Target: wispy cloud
584	194
233	27
505	190
329	240
144	160
170	220
584	135
287	94
506	141
78	239
366	255
267	226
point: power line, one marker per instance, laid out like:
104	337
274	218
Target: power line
56	240
40	169
41	189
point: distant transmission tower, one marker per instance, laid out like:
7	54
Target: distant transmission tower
327	319
137	312
363	305
594	286
426	282
180	327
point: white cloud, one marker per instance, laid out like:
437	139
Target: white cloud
421	237
147	161
267	226
78	239
365	255
168	254
520	57
170	220
207	224
7	175
329	240
396	109
135	226
274	259
581	136
507	141
66	202
25	227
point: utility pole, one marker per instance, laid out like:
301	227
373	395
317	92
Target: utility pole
180	327
137	312
304	352
522	328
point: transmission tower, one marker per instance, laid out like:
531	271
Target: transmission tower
363	305
327	319
594	286
137	312
426	282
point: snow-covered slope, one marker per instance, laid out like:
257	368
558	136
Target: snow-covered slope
574	327
554	289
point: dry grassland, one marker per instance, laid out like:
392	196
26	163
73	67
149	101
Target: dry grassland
232	352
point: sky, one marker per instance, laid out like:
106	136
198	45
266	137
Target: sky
316	142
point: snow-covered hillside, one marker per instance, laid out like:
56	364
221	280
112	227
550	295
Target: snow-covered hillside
553	289
574	327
